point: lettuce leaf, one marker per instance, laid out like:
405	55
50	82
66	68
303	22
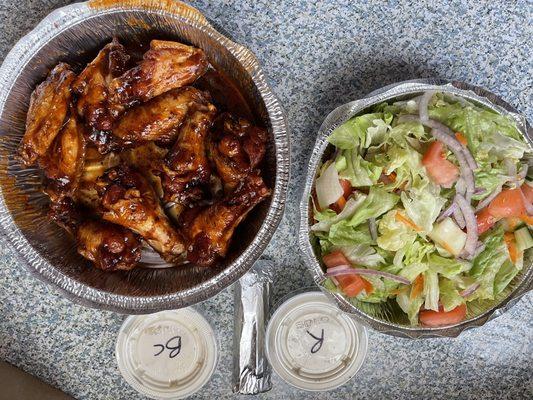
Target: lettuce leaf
410	306
362	254
431	290
494	250
359	171
342	234
393	234
449	295
378	202
447	267
504	276
423	204
352	134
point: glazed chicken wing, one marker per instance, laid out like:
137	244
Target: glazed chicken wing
209	230
49	104
110	247
236	147
63	163
167	65
159	118
129	200
186	167
92	86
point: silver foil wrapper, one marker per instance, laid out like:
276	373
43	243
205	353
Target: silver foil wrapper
251	370
386	317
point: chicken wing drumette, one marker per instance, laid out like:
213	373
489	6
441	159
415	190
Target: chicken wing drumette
185	170
209	229
128	199
92	86
236	148
110	247
166	66
49	105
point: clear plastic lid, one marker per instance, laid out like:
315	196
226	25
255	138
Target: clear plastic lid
167	355
314	346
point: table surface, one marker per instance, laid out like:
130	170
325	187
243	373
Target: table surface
316	55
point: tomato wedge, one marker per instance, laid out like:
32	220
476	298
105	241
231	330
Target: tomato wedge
442	318
346	187
441	171
508	203
334	259
351	285
485	221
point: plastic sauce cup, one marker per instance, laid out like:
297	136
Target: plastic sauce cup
314	346
167	355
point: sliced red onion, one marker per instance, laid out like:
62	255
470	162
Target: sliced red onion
469	290
527	204
486	201
460	186
480	190
471	225
372	227
338	268
459	218
447	212
362	271
423	105
480	247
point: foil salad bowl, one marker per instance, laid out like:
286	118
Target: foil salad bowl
74	34
388	317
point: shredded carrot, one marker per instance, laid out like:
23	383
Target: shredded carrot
339	204
447	247
399	290
417	286
511	246
461	138
527	219
407	221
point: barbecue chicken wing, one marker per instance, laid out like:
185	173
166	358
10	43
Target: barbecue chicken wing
236	148
185	170
167	65
49	104
129	200
110	247
92	86
63	163
210	229
159	118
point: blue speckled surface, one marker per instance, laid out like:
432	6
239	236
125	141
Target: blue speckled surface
317	56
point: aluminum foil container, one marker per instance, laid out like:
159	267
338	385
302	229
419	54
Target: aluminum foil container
74	34
388	317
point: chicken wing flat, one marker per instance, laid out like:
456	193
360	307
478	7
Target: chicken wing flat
64	161
92	86
49	104
165	66
129	200
186	168
110	247
210	229
236	148
159	118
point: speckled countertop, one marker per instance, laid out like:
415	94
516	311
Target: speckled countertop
317	55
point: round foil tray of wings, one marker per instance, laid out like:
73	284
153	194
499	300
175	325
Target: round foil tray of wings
74	34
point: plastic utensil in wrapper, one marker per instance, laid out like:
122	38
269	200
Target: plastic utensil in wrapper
251	371
314	346
167	355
